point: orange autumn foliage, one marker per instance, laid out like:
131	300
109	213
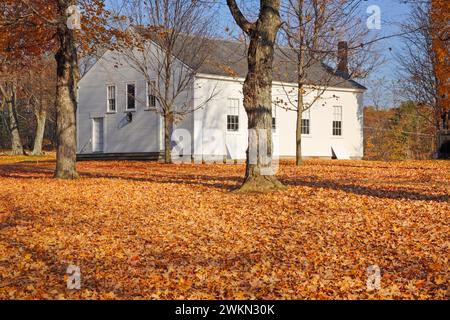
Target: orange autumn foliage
28	28
440	17
141	230
398	133
24	36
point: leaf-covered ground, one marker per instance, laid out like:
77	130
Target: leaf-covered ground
141	230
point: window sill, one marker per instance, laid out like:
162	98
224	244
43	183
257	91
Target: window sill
129	110
337	137
150	109
111	112
306	136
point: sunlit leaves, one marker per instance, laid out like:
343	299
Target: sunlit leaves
146	230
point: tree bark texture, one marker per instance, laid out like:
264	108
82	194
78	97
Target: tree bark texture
257	89
41	117
66	100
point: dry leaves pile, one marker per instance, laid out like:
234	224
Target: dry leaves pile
146	230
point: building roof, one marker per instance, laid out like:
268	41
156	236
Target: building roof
220	57
229	58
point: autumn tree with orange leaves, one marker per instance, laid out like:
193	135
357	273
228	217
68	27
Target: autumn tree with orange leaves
440	31
18	51
33	28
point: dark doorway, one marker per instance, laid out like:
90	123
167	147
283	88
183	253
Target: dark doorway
444	150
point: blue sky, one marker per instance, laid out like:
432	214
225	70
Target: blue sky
393	12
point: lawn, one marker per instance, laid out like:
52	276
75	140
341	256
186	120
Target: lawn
143	230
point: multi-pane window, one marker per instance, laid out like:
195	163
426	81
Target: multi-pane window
151	95
274	118
306	122
111	92
233	115
131	96
337	121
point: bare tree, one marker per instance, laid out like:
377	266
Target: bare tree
257	89
314	29
418	66
167	43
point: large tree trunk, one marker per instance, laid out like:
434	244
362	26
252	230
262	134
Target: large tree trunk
13	125
66	104
41	116
257	89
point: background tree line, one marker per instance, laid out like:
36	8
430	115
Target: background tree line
420	101
398	133
27	108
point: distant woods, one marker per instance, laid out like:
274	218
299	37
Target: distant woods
398	133
27	108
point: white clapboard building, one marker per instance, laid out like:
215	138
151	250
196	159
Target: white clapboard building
118	115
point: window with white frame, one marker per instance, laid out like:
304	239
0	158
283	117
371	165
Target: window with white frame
151	95
131	96
111	98
274	118
233	115
337	121
306	121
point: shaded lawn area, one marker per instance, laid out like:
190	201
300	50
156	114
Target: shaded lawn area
143	230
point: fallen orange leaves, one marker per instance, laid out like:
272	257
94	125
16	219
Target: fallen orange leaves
141	230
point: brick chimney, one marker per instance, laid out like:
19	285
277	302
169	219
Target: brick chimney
342	56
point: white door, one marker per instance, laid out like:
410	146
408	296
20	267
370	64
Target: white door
97	135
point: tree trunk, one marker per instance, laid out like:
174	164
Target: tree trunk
437	140
168	115
300	75
300	108
167	140
66	104
257	89
298	133
16	142
41	116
